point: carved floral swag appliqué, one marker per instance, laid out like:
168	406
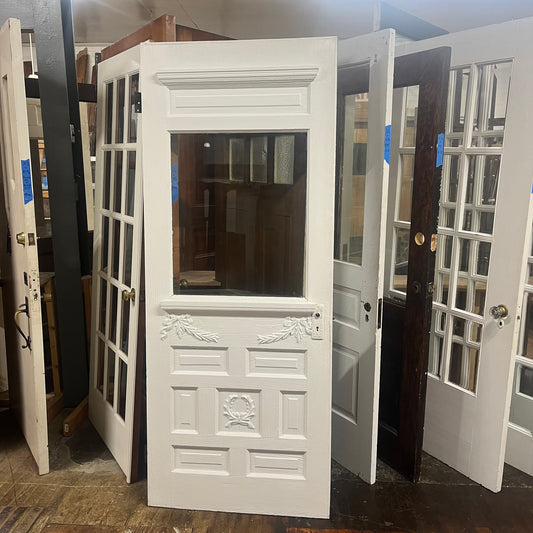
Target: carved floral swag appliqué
292	327
182	325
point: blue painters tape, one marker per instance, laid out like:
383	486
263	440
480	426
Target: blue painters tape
386	154
440	149
26	181
174	177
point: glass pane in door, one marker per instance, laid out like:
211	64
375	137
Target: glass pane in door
238	213
351	181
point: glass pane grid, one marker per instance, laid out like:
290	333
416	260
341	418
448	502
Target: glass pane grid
477	105
117	223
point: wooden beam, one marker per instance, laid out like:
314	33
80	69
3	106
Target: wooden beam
184	33
52	334
76	417
54	405
162	29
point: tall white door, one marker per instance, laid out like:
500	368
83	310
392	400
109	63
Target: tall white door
20	263
480	255
238	165
116	259
364	118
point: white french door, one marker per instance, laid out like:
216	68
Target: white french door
238	159
486	183
366	61
519	450
20	263
118	229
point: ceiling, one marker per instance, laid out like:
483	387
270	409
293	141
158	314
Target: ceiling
105	21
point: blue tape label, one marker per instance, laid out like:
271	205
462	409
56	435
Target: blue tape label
26	181
387	144
174	177
440	149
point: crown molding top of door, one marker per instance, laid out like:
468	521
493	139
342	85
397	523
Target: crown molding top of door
221	78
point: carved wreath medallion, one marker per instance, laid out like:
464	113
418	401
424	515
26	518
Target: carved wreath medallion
239	409
182	325
292	327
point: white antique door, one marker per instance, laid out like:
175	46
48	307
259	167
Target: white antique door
238	166
486	183
20	263
116	259
363	170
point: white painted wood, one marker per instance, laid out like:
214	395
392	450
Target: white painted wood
115	430
519	450
198	458
468	430
356	340
29	398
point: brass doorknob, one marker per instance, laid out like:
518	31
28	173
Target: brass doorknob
128	295
21	238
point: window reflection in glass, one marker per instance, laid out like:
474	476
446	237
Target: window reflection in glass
238	210
351	201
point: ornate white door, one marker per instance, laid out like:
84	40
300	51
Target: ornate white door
238	164
486	183
20	262
117	257
365	78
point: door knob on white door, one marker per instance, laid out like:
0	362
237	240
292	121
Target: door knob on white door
499	312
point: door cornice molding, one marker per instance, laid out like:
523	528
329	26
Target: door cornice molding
241	78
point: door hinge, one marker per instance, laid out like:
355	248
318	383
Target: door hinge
72	134
380	312
138	103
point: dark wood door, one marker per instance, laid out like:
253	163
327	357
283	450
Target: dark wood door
407	325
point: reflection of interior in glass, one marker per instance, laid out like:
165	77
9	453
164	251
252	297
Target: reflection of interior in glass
238	211
438	324
527	327
459	94
351	202
521	412
402	166
490	109
110	395
464	356
401	260
410	115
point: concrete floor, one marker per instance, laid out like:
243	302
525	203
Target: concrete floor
86	492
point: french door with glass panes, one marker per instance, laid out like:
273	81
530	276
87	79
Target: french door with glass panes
116	258
483	225
519	450
364	104
238	164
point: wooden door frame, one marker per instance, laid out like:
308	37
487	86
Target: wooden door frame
430	71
